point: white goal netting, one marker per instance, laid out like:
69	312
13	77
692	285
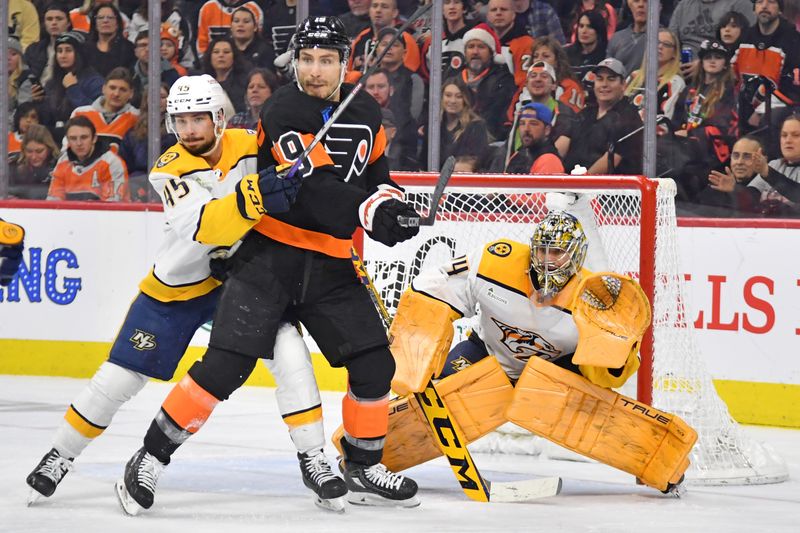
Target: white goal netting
632	229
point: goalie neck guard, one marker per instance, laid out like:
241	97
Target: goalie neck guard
321	32
558	250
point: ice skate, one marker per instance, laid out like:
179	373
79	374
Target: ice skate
47	475
137	489
329	489
376	485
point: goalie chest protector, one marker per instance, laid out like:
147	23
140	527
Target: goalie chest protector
513	328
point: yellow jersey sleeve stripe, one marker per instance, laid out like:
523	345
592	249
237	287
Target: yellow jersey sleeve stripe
155	288
302	418
81	425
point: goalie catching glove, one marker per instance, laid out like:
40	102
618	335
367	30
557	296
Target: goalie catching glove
381	213
270	191
611	313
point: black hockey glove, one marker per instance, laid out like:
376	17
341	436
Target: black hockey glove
269	191
10	259
278	190
219	264
383	214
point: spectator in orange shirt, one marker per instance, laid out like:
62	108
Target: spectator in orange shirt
515	43
112	113
382	14
569	91
88	170
24	116
538	154
214	20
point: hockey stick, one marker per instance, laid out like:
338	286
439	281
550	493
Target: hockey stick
356	89
450	438
436	197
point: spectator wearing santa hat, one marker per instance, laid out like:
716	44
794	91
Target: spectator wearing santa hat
488	78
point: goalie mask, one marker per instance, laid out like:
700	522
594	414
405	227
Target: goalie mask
558	249
321	32
197	94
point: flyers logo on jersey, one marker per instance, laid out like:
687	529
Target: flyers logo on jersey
526	344
349	146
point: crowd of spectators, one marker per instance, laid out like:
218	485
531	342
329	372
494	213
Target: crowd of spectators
529	87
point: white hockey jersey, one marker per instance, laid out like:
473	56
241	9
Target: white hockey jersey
188	186
493	283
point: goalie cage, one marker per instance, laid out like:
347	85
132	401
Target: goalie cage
614	211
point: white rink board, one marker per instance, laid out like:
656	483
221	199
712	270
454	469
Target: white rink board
743	281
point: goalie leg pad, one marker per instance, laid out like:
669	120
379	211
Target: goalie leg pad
476	397
599	423
422	333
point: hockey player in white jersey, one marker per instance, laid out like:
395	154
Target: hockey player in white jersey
212	195
550	340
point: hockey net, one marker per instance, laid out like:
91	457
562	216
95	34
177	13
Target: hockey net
632	229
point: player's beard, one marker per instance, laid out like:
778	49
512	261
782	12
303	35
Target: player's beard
202	149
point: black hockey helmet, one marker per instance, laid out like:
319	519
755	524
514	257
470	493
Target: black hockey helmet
322	32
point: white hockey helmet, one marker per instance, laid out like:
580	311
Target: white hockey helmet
198	94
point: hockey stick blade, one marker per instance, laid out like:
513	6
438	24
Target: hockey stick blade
524	491
436	198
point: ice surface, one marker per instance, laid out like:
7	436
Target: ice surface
239	473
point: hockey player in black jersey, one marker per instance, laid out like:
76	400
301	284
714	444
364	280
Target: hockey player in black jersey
298	264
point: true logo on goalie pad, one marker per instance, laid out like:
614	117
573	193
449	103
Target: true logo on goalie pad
143	341
526	344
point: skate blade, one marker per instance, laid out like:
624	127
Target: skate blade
33	496
367	498
335	505
128	504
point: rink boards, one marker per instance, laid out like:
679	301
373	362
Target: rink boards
82	268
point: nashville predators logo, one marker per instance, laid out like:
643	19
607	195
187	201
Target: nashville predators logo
143	341
166	159
500	249
526	344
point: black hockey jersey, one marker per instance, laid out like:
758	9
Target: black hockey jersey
339	174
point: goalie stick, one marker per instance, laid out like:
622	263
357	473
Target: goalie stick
450	438
356	89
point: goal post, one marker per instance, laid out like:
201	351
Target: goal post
632	229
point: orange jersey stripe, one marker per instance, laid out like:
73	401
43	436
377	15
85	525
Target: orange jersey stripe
288	141
365	419
189	405
304	238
